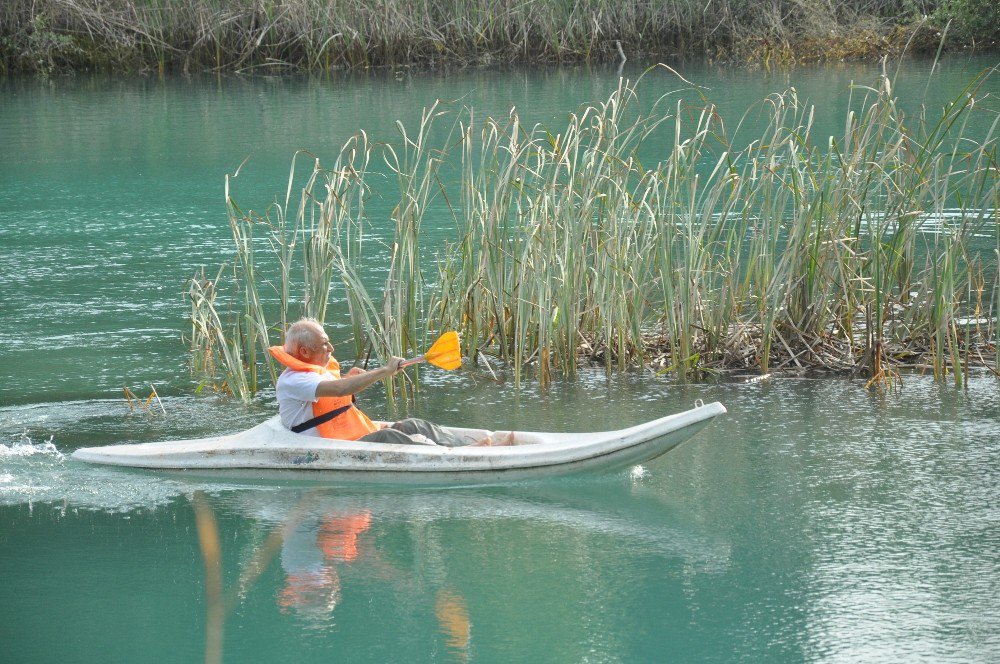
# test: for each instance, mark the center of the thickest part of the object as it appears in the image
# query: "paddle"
(445, 353)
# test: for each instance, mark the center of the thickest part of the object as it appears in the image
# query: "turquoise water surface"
(816, 521)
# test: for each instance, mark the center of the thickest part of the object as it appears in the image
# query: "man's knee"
(415, 425)
(410, 425)
(392, 436)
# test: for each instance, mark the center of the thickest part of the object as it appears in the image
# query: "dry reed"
(259, 35)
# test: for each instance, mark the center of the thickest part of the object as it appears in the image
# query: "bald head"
(305, 333)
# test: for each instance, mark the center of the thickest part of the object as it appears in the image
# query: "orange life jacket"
(350, 424)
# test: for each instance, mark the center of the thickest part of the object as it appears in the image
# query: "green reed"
(853, 252)
(315, 235)
(806, 248)
(215, 340)
(303, 236)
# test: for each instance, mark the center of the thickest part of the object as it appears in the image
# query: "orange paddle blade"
(445, 352)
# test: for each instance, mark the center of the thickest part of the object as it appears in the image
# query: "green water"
(814, 522)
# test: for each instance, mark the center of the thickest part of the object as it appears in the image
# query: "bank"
(279, 36)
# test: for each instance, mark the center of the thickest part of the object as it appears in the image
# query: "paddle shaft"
(413, 360)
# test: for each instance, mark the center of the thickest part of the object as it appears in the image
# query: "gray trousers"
(399, 433)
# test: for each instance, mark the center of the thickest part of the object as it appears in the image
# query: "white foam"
(26, 448)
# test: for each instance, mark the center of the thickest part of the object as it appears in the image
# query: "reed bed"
(284, 35)
(866, 252)
(852, 253)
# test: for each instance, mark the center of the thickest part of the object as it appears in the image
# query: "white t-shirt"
(296, 394)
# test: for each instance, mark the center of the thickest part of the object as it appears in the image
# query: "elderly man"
(315, 400)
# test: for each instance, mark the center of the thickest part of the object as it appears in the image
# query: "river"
(816, 521)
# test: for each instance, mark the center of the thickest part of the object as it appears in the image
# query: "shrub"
(976, 20)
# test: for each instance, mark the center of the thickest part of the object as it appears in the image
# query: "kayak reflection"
(631, 514)
(417, 557)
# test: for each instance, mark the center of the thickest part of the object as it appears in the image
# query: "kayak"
(270, 451)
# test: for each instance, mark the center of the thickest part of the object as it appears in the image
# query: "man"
(315, 400)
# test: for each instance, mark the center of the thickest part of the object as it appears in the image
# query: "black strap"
(321, 419)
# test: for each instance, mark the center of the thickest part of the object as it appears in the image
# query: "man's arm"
(348, 385)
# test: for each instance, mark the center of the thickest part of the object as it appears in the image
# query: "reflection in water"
(309, 558)
(453, 615)
(218, 604)
(313, 554)
(337, 549)
(211, 553)
(314, 545)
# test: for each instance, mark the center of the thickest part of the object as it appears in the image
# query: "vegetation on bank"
(294, 35)
(864, 252)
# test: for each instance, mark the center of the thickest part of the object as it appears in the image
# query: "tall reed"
(791, 246)
(324, 234)
(858, 252)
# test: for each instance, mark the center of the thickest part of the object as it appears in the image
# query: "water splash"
(37, 472)
(26, 448)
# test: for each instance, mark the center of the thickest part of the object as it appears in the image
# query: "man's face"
(319, 351)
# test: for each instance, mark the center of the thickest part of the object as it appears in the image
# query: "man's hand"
(356, 371)
(392, 365)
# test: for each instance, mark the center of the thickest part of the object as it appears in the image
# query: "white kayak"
(270, 451)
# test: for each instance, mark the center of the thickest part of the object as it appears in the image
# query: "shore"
(267, 36)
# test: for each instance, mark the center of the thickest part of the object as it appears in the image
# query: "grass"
(861, 252)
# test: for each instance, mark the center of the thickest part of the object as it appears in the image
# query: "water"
(815, 522)
(111, 192)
